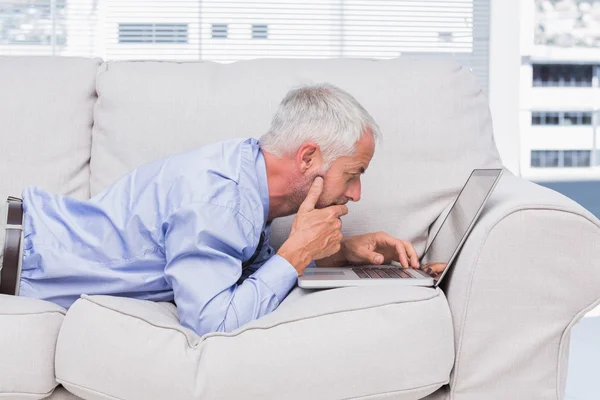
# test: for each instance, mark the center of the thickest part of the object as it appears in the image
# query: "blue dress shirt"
(174, 229)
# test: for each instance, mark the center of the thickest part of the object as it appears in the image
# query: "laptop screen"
(462, 215)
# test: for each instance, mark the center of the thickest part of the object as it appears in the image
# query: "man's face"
(342, 179)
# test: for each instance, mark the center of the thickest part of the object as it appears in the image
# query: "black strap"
(12, 244)
(249, 262)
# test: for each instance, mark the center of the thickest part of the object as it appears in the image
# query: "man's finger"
(437, 267)
(313, 195)
(338, 211)
(402, 256)
(375, 258)
(412, 254)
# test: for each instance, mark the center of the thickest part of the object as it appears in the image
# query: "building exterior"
(560, 91)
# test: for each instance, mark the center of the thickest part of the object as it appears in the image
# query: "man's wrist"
(334, 261)
(298, 258)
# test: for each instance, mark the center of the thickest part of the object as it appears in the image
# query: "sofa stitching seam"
(395, 391)
(64, 381)
(33, 314)
(138, 318)
(30, 393)
(230, 334)
(218, 334)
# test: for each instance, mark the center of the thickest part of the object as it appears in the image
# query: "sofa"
(497, 328)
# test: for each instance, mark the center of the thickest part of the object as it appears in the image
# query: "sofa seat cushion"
(28, 333)
(385, 341)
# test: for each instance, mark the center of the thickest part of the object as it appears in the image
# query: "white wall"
(559, 138)
(505, 62)
(562, 98)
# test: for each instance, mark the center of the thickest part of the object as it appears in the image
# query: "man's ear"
(308, 157)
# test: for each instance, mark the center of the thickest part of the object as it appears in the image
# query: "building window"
(260, 31)
(577, 158)
(552, 118)
(219, 31)
(562, 75)
(545, 158)
(545, 118)
(536, 158)
(153, 33)
(570, 119)
(560, 158)
(561, 118)
(550, 158)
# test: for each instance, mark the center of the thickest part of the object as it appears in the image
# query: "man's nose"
(353, 192)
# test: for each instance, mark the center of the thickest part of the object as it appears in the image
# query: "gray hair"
(323, 114)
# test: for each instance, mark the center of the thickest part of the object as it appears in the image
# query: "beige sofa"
(499, 329)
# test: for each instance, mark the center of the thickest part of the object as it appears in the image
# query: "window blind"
(228, 30)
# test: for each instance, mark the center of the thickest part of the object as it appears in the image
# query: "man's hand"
(315, 234)
(379, 248)
(434, 269)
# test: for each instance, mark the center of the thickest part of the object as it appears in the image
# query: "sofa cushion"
(28, 332)
(433, 115)
(384, 340)
(46, 123)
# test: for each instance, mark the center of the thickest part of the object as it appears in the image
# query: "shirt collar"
(263, 184)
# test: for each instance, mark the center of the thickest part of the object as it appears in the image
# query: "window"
(571, 119)
(550, 158)
(577, 158)
(545, 158)
(197, 30)
(153, 33)
(552, 118)
(569, 158)
(561, 118)
(536, 158)
(30, 23)
(560, 158)
(562, 75)
(219, 31)
(260, 31)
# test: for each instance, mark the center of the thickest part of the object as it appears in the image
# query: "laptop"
(442, 251)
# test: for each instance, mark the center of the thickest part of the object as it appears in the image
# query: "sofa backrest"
(434, 118)
(46, 121)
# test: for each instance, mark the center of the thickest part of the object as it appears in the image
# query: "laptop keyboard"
(380, 273)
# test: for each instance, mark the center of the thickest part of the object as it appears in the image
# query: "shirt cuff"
(279, 275)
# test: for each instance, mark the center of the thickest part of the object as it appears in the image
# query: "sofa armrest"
(342, 343)
(527, 273)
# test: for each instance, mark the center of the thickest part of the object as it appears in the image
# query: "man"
(194, 228)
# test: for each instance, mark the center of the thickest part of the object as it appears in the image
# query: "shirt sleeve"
(204, 248)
